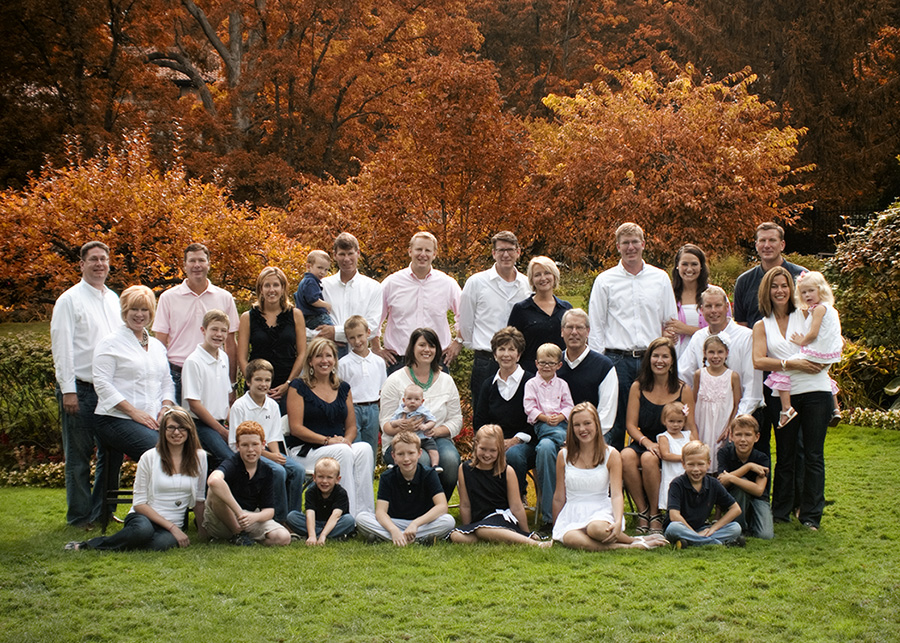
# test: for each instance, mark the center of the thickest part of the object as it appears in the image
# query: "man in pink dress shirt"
(417, 297)
(179, 314)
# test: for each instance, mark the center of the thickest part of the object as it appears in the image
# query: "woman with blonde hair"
(323, 424)
(539, 318)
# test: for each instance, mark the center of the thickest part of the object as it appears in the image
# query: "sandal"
(645, 516)
(656, 530)
(786, 416)
(74, 545)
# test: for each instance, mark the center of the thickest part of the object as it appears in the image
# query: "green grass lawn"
(836, 585)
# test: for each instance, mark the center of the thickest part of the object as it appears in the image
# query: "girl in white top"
(588, 505)
(674, 416)
(820, 341)
(170, 479)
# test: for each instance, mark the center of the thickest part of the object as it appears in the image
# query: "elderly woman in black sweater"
(502, 402)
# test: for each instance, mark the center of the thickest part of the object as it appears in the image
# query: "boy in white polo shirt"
(365, 372)
(256, 406)
(206, 385)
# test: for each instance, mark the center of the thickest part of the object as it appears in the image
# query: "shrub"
(863, 373)
(53, 474)
(866, 272)
(29, 414)
(876, 419)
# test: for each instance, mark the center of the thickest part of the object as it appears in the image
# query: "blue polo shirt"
(729, 461)
(250, 493)
(695, 506)
(409, 499)
(746, 292)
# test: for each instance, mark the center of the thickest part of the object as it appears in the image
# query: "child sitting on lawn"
(692, 497)
(411, 504)
(239, 502)
(744, 471)
(327, 507)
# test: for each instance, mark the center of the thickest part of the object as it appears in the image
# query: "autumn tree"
(829, 66)
(145, 215)
(454, 165)
(700, 162)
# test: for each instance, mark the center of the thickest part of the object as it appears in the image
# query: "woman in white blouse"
(170, 479)
(131, 377)
(423, 367)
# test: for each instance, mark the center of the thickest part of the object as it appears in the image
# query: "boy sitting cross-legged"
(744, 471)
(692, 496)
(256, 406)
(240, 498)
(411, 504)
(327, 507)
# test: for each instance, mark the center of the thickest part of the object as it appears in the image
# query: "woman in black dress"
(275, 331)
(539, 317)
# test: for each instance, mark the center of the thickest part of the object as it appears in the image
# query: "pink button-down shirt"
(547, 397)
(411, 303)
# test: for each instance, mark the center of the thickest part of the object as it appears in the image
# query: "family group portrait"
(456, 321)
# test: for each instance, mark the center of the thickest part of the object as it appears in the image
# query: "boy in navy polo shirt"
(240, 500)
(692, 496)
(411, 504)
(327, 507)
(744, 472)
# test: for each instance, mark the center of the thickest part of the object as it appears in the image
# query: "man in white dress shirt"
(629, 307)
(487, 299)
(349, 293)
(419, 296)
(82, 316)
(739, 339)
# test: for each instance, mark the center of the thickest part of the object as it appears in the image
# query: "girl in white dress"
(588, 506)
(674, 416)
(718, 391)
(821, 343)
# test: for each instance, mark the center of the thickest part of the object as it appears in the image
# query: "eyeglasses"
(571, 327)
(505, 251)
(547, 364)
(176, 429)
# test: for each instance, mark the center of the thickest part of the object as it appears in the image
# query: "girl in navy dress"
(490, 504)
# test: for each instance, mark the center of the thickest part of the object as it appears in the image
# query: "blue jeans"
(296, 522)
(483, 368)
(84, 504)
(550, 440)
(680, 531)
(521, 458)
(318, 319)
(175, 372)
(138, 532)
(287, 487)
(118, 436)
(811, 425)
(756, 514)
(449, 460)
(627, 369)
(214, 444)
(367, 427)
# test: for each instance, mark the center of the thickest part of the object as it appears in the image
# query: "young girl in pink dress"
(718, 391)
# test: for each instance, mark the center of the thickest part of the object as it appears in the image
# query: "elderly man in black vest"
(591, 378)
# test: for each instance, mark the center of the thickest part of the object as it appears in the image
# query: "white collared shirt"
(573, 363)
(485, 304)
(123, 370)
(205, 378)
(740, 360)
(267, 415)
(82, 316)
(360, 295)
(507, 389)
(628, 311)
(365, 375)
